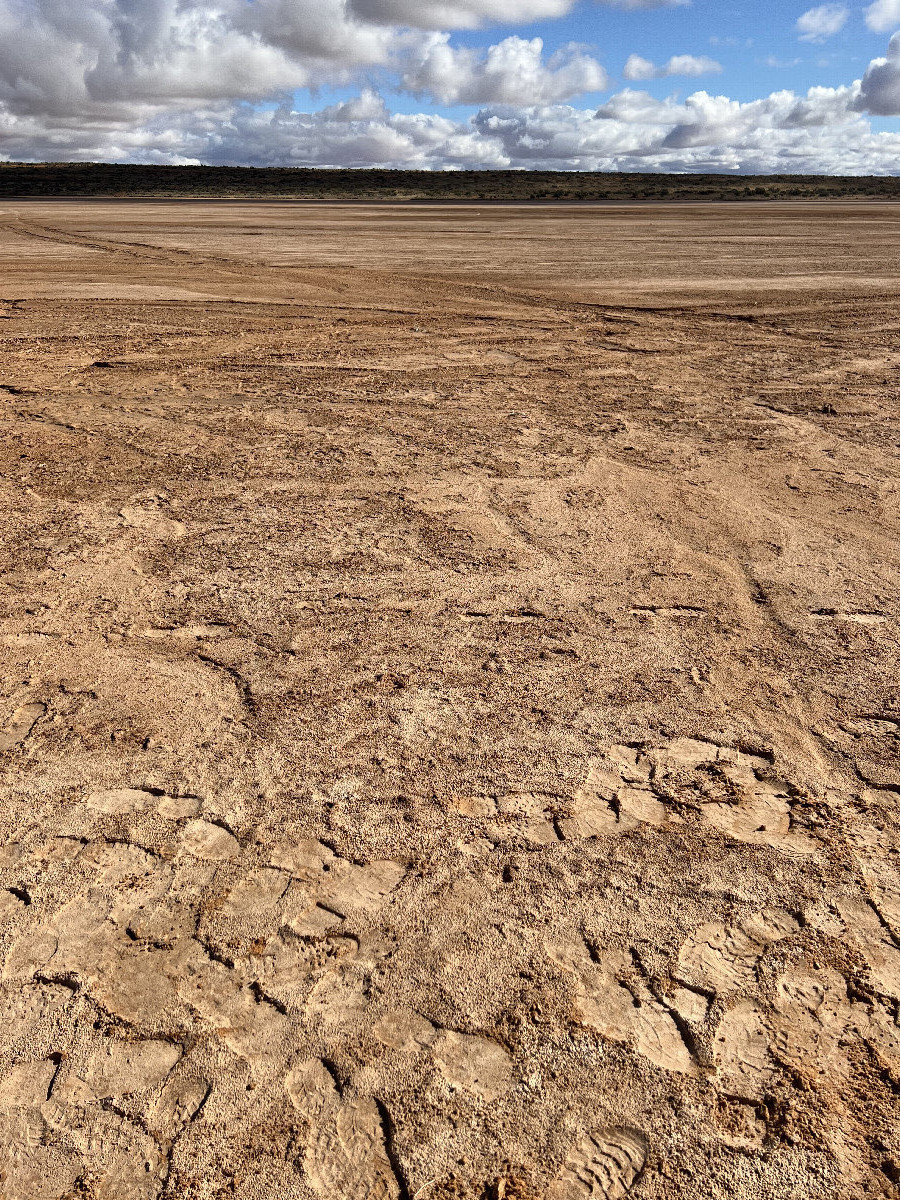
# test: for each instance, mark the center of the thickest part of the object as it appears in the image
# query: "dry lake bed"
(450, 702)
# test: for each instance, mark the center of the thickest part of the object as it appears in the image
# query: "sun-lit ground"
(450, 711)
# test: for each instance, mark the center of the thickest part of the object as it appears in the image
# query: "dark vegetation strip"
(52, 180)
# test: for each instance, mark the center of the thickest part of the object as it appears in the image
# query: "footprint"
(256, 894)
(761, 818)
(116, 862)
(625, 1011)
(11, 904)
(30, 1169)
(605, 1164)
(881, 1029)
(27, 1084)
(741, 1046)
(129, 801)
(249, 1025)
(614, 798)
(20, 724)
(359, 889)
(860, 617)
(124, 1162)
(723, 958)
(288, 965)
(531, 813)
(403, 1029)
(620, 793)
(346, 1156)
(304, 858)
(120, 801)
(881, 952)
(811, 1013)
(119, 1070)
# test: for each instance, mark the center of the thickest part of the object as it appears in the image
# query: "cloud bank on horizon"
(444, 84)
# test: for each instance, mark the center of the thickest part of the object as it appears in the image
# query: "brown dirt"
(450, 711)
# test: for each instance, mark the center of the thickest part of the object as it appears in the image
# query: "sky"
(739, 86)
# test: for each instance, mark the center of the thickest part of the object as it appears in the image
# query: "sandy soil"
(450, 703)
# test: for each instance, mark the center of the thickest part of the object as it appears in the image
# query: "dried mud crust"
(442, 754)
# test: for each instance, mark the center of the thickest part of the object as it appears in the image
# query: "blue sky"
(758, 46)
(445, 84)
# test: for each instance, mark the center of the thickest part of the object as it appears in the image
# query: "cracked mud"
(449, 724)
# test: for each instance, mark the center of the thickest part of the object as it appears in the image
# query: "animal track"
(606, 1164)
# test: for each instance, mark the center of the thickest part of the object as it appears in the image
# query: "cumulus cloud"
(883, 15)
(457, 14)
(819, 131)
(183, 80)
(637, 68)
(512, 72)
(819, 24)
(879, 91)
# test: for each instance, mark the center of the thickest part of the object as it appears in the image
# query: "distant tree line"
(312, 183)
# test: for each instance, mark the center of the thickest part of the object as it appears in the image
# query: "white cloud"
(457, 14)
(819, 24)
(512, 72)
(820, 131)
(181, 81)
(637, 68)
(641, 5)
(879, 91)
(883, 15)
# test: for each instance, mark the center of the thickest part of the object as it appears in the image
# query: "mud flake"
(20, 725)
(120, 801)
(178, 1104)
(475, 1063)
(203, 839)
(315, 922)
